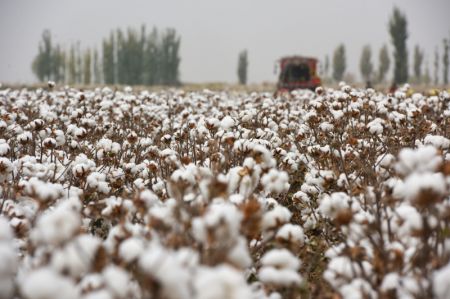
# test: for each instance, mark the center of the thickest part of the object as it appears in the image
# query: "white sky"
(213, 32)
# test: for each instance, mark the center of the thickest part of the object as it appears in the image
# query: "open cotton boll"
(275, 217)
(98, 182)
(441, 282)
(43, 191)
(239, 254)
(437, 141)
(221, 282)
(76, 258)
(331, 206)
(100, 294)
(275, 181)
(6, 234)
(224, 218)
(227, 123)
(44, 283)
(117, 281)
(279, 267)
(9, 260)
(357, 289)
(130, 249)
(422, 188)
(280, 258)
(292, 233)
(58, 225)
(420, 160)
(170, 269)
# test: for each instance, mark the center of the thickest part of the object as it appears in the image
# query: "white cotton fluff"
(357, 289)
(376, 126)
(44, 283)
(221, 282)
(58, 225)
(43, 191)
(239, 254)
(437, 141)
(225, 218)
(172, 269)
(441, 282)
(97, 181)
(279, 267)
(420, 182)
(291, 232)
(131, 249)
(424, 159)
(227, 123)
(390, 282)
(275, 181)
(277, 216)
(117, 281)
(8, 258)
(4, 147)
(76, 257)
(100, 294)
(331, 206)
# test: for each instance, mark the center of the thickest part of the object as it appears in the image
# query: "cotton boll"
(221, 282)
(357, 289)
(76, 258)
(277, 216)
(227, 123)
(292, 233)
(130, 249)
(422, 188)
(170, 269)
(279, 267)
(275, 181)
(101, 294)
(336, 206)
(58, 225)
(117, 281)
(441, 282)
(97, 181)
(419, 160)
(239, 254)
(46, 284)
(9, 261)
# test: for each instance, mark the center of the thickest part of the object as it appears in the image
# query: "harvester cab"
(297, 72)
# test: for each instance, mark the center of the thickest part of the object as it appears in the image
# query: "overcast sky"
(213, 32)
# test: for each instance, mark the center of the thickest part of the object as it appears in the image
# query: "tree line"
(398, 32)
(131, 57)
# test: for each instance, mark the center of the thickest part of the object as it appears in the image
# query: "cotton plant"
(174, 194)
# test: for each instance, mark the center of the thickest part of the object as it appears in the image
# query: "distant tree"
(96, 68)
(169, 59)
(78, 64)
(72, 70)
(42, 63)
(57, 64)
(399, 35)
(436, 67)
(109, 60)
(151, 59)
(365, 63)
(445, 61)
(242, 67)
(426, 76)
(87, 67)
(327, 65)
(384, 63)
(339, 63)
(418, 60)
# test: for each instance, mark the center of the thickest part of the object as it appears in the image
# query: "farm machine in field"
(297, 72)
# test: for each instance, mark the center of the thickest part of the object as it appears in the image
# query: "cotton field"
(134, 194)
